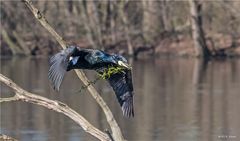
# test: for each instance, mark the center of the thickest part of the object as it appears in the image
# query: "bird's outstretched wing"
(59, 64)
(122, 85)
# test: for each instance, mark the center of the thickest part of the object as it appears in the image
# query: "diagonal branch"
(116, 132)
(23, 95)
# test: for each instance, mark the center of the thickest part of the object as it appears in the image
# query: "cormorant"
(77, 58)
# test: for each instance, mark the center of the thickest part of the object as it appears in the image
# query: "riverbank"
(170, 46)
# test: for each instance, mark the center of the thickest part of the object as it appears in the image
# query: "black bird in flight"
(76, 58)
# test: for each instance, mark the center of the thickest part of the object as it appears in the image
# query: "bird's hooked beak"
(121, 63)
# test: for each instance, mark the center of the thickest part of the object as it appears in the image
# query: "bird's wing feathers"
(60, 61)
(122, 85)
(58, 66)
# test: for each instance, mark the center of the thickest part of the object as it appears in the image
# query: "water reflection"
(176, 100)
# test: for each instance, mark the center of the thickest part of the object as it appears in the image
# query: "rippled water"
(175, 100)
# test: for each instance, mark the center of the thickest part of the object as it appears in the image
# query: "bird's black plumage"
(77, 58)
(122, 85)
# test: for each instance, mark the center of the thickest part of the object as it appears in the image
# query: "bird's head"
(121, 61)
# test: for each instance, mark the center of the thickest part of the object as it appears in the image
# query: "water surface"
(175, 100)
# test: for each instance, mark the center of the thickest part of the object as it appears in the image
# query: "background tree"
(150, 20)
(199, 40)
(122, 26)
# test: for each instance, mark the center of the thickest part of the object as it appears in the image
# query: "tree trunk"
(150, 22)
(94, 21)
(112, 22)
(165, 15)
(13, 47)
(85, 20)
(21, 43)
(197, 30)
(126, 27)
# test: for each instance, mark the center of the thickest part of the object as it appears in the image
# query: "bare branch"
(9, 99)
(54, 105)
(117, 134)
(41, 18)
(6, 138)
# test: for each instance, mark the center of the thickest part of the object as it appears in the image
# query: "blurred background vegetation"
(128, 27)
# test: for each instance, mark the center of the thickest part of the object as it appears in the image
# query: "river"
(176, 99)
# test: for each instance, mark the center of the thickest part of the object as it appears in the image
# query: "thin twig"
(54, 105)
(116, 132)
